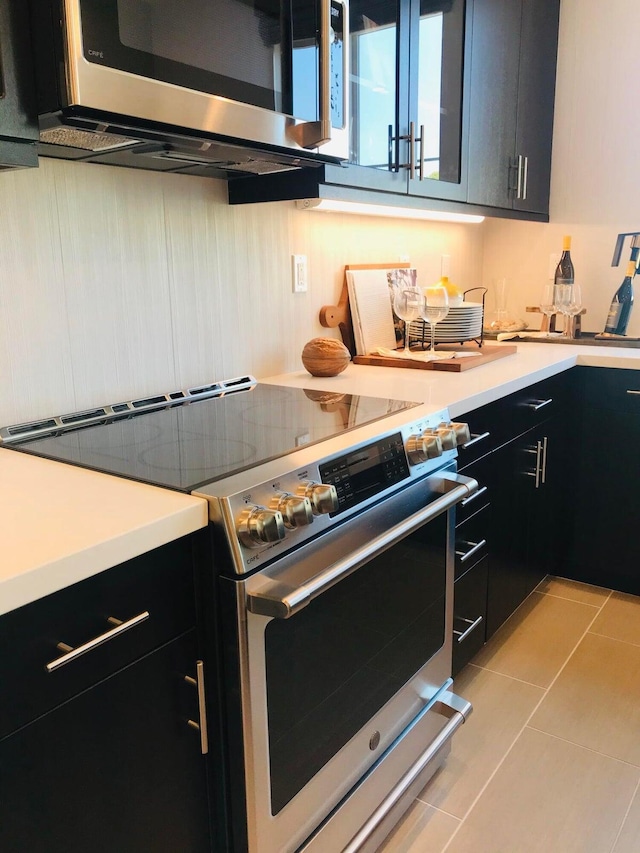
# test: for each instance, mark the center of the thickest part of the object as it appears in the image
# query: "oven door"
(270, 71)
(343, 646)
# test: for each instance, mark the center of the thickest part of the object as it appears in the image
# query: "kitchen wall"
(117, 283)
(595, 182)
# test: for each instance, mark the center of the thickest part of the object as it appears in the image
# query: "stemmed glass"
(548, 303)
(572, 307)
(407, 302)
(435, 307)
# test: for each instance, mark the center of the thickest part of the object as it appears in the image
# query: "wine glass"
(563, 301)
(407, 302)
(548, 303)
(435, 307)
(573, 306)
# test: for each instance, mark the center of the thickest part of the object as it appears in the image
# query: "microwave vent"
(260, 167)
(87, 140)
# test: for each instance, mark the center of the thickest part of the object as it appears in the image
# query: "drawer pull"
(475, 495)
(539, 404)
(201, 727)
(475, 439)
(475, 547)
(72, 654)
(633, 392)
(462, 635)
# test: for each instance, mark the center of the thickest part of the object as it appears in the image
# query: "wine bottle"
(564, 273)
(621, 304)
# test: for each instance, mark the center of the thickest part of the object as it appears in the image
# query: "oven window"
(332, 666)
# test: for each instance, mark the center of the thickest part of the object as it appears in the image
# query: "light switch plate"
(299, 273)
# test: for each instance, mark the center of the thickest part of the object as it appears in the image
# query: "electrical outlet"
(299, 273)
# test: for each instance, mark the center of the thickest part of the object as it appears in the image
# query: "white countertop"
(464, 391)
(60, 524)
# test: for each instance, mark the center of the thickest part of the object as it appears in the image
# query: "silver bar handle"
(538, 452)
(633, 392)
(525, 178)
(475, 547)
(421, 154)
(72, 654)
(412, 153)
(535, 405)
(473, 624)
(457, 714)
(311, 134)
(544, 459)
(519, 185)
(475, 495)
(452, 487)
(475, 439)
(202, 726)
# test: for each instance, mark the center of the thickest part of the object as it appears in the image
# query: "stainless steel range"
(332, 520)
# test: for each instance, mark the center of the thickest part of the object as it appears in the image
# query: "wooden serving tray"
(453, 365)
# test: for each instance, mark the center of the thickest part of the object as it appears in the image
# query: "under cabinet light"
(365, 209)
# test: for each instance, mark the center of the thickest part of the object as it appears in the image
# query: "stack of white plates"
(462, 323)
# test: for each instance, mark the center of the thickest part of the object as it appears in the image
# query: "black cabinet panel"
(160, 582)
(469, 615)
(18, 117)
(114, 769)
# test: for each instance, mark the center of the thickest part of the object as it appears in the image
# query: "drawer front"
(480, 470)
(610, 388)
(472, 540)
(107, 615)
(509, 417)
(469, 614)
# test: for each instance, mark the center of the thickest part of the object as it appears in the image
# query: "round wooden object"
(325, 357)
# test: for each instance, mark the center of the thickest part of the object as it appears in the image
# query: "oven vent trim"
(45, 427)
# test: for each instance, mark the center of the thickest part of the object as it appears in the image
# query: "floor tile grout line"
(582, 746)
(515, 740)
(615, 639)
(566, 598)
(624, 819)
(511, 677)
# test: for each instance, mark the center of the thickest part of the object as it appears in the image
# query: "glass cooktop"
(188, 445)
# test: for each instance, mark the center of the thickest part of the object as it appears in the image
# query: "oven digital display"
(367, 471)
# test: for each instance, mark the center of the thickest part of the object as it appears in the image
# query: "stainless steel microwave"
(238, 85)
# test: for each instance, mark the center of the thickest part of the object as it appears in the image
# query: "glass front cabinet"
(407, 63)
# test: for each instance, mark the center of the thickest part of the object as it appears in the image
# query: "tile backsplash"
(116, 283)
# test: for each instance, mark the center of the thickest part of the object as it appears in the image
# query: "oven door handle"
(272, 599)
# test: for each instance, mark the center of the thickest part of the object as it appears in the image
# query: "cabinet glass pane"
(439, 88)
(374, 33)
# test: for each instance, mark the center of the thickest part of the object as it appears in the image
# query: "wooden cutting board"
(485, 354)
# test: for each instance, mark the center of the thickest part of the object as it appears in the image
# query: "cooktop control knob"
(296, 510)
(260, 526)
(447, 436)
(462, 431)
(423, 447)
(323, 497)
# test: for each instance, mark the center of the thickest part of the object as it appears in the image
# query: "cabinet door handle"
(544, 460)
(202, 726)
(525, 177)
(537, 450)
(72, 654)
(633, 392)
(421, 154)
(475, 547)
(534, 405)
(475, 439)
(462, 635)
(519, 184)
(475, 495)
(412, 153)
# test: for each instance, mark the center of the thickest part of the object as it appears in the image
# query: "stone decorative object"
(325, 357)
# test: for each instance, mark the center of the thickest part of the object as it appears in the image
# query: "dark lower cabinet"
(604, 502)
(18, 112)
(469, 614)
(117, 768)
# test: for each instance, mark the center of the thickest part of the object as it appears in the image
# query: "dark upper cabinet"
(512, 88)
(18, 116)
(407, 62)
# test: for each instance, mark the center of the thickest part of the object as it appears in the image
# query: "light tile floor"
(549, 761)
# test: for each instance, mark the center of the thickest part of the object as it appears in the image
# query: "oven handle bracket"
(269, 600)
